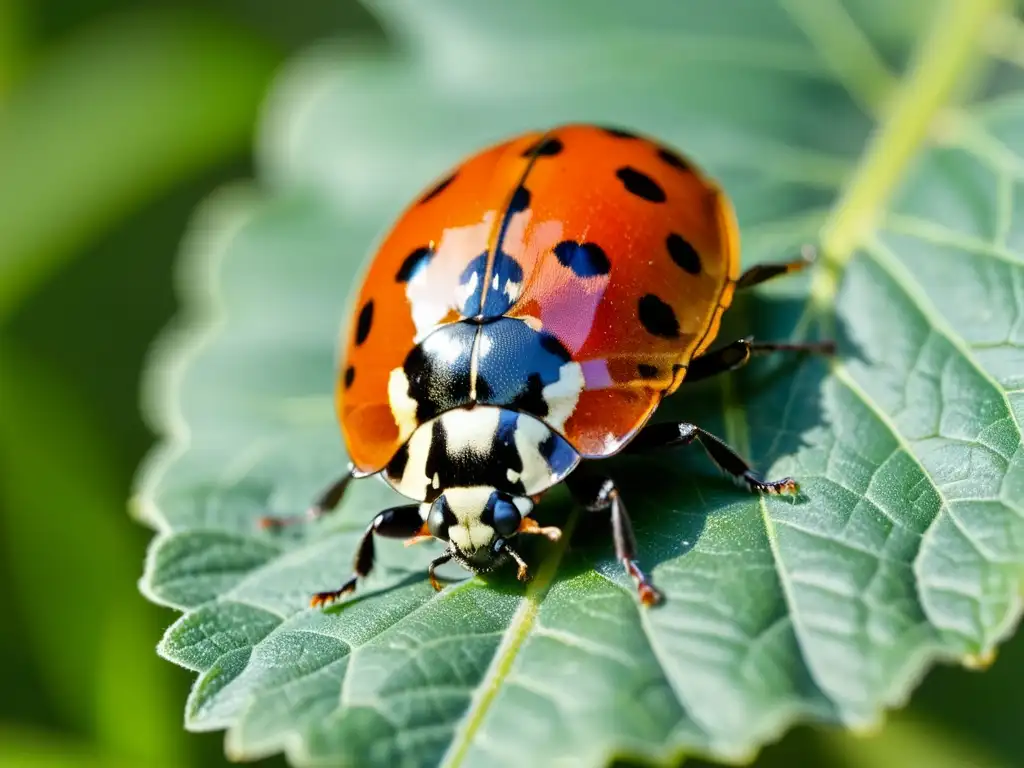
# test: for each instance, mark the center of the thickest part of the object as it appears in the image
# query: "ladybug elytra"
(525, 316)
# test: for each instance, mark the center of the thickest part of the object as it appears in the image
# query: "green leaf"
(843, 123)
(121, 111)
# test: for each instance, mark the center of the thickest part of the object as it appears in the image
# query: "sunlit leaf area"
(188, 196)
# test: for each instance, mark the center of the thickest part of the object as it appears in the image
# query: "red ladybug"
(526, 315)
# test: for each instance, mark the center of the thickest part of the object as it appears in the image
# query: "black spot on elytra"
(657, 317)
(619, 133)
(585, 259)
(674, 159)
(545, 148)
(520, 200)
(440, 187)
(647, 371)
(640, 184)
(683, 253)
(364, 323)
(350, 376)
(413, 263)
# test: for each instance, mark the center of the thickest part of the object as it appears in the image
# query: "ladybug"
(524, 317)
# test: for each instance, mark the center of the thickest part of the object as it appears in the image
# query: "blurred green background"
(116, 119)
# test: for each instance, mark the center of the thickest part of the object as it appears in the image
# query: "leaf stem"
(519, 630)
(936, 70)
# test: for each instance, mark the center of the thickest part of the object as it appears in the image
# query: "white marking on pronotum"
(561, 396)
(414, 481)
(443, 347)
(471, 429)
(529, 434)
(403, 407)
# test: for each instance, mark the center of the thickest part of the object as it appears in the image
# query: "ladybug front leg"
(394, 523)
(655, 436)
(736, 355)
(597, 494)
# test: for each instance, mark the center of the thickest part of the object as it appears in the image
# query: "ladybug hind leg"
(665, 435)
(738, 353)
(597, 494)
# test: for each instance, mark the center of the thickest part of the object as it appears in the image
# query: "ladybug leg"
(434, 564)
(667, 434)
(759, 273)
(738, 353)
(529, 525)
(325, 502)
(394, 523)
(598, 494)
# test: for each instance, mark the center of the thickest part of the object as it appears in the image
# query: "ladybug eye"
(506, 517)
(439, 518)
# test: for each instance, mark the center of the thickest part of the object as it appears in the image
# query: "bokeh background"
(116, 119)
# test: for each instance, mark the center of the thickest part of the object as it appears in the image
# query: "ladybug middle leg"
(665, 435)
(395, 523)
(738, 353)
(760, 273)
(598, 493)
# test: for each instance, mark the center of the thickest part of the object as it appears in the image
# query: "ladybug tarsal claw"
(523, 572)
(785, 487)
(649, 595)
(271, 523)
(323, 599)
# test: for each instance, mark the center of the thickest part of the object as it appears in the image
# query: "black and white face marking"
(480, 446)
(477, 522)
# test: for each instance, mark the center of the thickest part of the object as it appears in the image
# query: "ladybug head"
(478, 522)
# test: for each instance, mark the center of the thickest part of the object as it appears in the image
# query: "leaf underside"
(906, 544)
